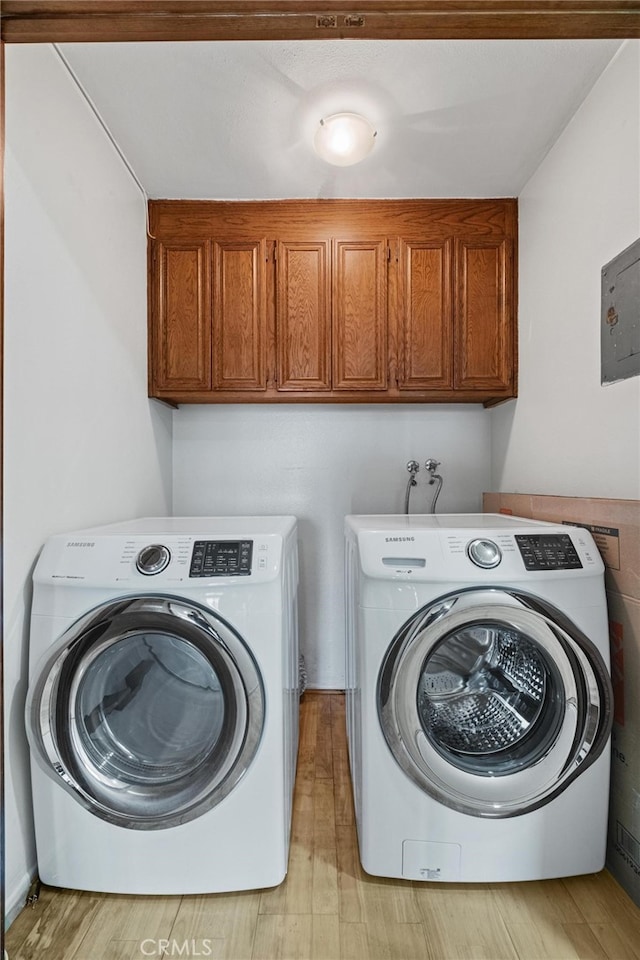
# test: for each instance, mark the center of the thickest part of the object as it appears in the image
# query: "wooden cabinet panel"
(359, 315)
(425, 315)
(239, 315)
(484, 343)
(329, 317)
(180, 346)
(303, 316)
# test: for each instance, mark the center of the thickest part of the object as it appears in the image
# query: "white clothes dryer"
(162, 711)
(479, 698)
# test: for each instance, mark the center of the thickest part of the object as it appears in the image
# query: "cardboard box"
(623, 846)
(615, 526)
(623, 841)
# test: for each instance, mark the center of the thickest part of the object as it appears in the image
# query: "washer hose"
(431, 466)
(412, 466)
(438, 478)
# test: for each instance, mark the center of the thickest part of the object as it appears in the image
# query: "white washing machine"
(479, 699)
(162, 710)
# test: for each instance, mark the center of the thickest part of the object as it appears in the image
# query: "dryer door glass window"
(493, 701)
(149, 710)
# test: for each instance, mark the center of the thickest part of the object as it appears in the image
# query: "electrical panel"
(620, 323)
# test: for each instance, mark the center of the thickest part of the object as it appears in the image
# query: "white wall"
(321, 463)
(83, 445)
(566, 434)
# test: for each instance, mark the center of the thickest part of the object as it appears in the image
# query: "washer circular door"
(148, 710)
(492, 701)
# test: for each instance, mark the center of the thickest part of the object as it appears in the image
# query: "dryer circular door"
(148, 710)
(492, 701)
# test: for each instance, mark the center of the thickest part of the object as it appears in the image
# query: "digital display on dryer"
(548, 551)
(221, 558)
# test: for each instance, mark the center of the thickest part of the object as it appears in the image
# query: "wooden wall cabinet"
(359, 315)
(331, 317)
(332, 301)
(239, 315)
(180, 314)
(484, 331)
(303, 316)
(425, 315)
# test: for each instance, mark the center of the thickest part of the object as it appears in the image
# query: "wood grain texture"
(303, 315)
(143, 20)
(484, 329)
(426, 314)
(359, 315)
(180, 317)
(191, 220)
(328, 908)
(239, 315)
(344, 301)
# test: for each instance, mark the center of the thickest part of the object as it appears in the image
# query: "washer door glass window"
(148, 710)
(493, 702)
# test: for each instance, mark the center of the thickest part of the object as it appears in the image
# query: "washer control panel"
(544, 551)
(484, 553)
(469, 549)
(221, 558)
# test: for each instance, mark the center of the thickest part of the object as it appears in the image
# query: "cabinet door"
(303, 315)
(360, 315)
(425, 315)
(239, 307)
(180, 317)
(484, 331)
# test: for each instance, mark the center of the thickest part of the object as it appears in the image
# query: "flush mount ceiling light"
(344, 138)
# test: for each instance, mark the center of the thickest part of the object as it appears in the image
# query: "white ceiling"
(235, 120)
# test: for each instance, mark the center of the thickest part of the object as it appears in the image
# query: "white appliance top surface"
(443, 521)
(198, 526)
(190, 553)
(471, 548)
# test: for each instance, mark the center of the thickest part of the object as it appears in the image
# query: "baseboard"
(16, 900)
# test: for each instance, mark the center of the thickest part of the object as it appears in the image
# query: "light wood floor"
(328, 909)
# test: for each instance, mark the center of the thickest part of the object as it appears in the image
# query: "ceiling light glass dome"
(344, 138)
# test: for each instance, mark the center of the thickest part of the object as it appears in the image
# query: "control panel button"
(484, 553)
(153, 559)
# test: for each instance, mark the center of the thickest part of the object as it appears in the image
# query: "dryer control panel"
(221, 558)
